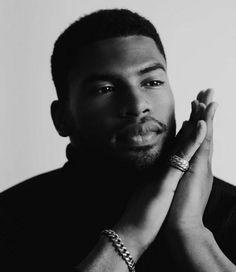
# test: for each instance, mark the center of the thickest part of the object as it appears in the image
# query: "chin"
(141, 158)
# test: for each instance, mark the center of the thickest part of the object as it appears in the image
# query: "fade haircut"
(99, 25)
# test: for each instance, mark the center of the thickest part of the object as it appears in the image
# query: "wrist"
(187, 233)
(131, 240)
(180, 225)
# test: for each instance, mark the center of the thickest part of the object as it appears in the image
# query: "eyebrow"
(114, 77)
(151, 68)
(100, 77)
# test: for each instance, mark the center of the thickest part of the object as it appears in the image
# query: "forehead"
(117, 55)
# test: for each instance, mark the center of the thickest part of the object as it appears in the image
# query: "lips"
(139, 135)
(141, 140)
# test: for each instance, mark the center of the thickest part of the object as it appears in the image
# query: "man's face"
(120, 100)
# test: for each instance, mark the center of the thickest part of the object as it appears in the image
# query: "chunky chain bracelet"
(120, 248)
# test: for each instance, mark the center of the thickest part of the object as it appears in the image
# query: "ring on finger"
(179, 163)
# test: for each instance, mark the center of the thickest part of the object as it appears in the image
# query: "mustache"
(154, 121)
(141, 127)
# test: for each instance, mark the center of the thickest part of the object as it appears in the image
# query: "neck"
(106, 164)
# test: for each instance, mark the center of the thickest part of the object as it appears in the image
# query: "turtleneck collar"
(100, 163)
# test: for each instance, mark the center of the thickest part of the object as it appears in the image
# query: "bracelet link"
(120, 248)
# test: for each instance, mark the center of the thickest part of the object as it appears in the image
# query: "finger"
(193, 111)
(182, 134)
(204, 97)
(200, 111)
(210, 111)
(196, 111)
(186, 151)
(207, 97)
(200, 95)
(207, 145)
(209, 116)
(192, 144)
(189, 127)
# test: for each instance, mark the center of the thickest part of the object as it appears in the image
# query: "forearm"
(197, 250)
(104, 256)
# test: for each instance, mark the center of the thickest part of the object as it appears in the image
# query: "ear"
(59, 113)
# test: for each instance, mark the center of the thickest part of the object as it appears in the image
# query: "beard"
(137, 158)
(147, 157)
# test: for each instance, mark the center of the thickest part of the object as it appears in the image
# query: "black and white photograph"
(118, 132)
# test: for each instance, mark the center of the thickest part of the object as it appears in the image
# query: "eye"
(153, 83)
(104, 90)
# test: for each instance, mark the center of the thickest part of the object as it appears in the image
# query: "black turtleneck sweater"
(52, 221)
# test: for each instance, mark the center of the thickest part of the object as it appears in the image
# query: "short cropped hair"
(99, 25)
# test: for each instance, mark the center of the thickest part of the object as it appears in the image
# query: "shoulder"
(222, 198)
(221, 208)
(224, 186)
(223, 193)
(32, 187)
(222, 211)
(221, 205)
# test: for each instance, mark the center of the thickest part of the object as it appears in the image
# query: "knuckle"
(181, 154)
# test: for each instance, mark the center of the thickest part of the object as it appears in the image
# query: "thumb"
(192, 144)
(186, 151)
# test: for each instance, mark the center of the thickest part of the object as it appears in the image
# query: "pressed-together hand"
(147, 210)
(195, 186)
(182, 197)
(194, 246)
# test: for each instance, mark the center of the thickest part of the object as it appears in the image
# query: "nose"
(135, 104)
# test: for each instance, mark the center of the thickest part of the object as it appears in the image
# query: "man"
(127, 170)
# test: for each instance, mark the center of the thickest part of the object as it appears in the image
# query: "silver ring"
(179, 163)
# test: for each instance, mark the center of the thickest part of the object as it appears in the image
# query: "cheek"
(93, 120)
(163, 106)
